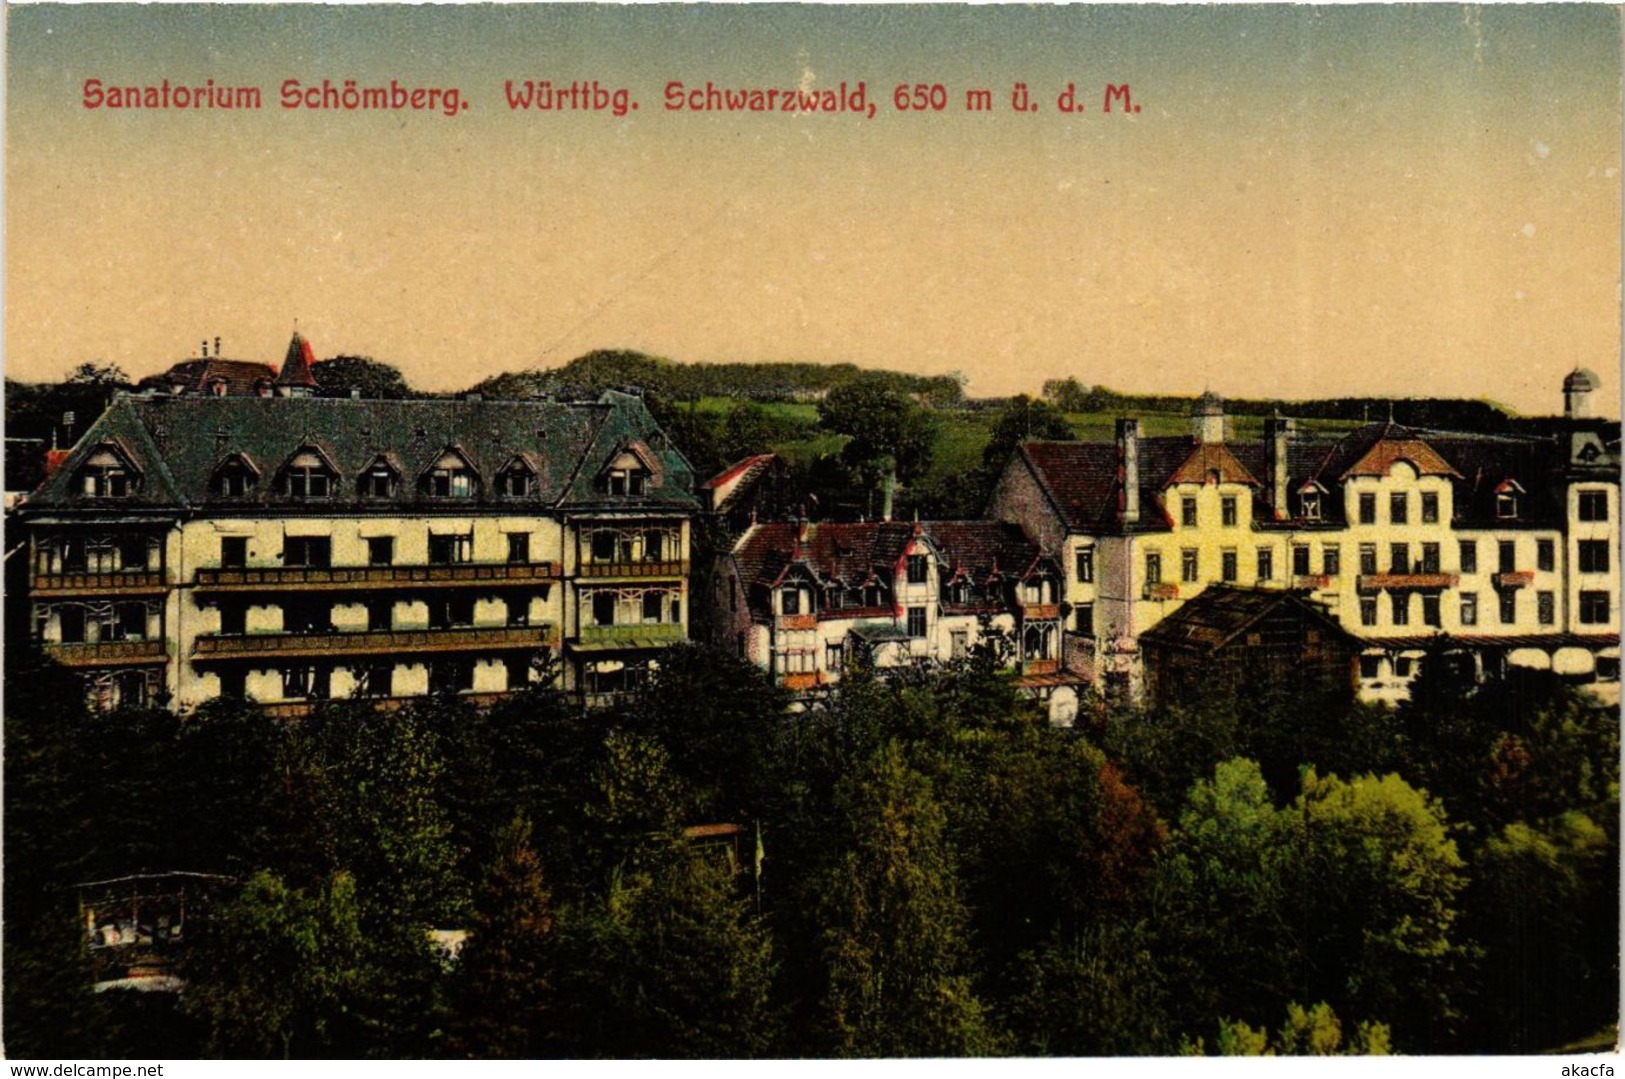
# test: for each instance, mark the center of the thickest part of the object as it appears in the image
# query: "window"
(518, 672)
(1227, 566)
(450, 549)
(1430, 609)
(516, 481)
(1469, 556)
(1310, 502)
(305, 683)
(916, 621)
(1266, 563)
(1368, 509)
(1188, 564)
(1430, 558)
(603, 608)
(307, 476)
(315, 552)
(652, 605)
(304, 615)
(519, 547)
(654, 545)
(1607, 668)
(1430, 508)
(1506, 506)
(71, 625)
(1153, 567)
(1227, 511)
(379, 481)
(1084, 619)
(234, 684)
(1368, 558)
(450, 612)
(1545, 555)
(234, 551)
(916, 569)
(1399, 508)
(1401, 603)
(1545, 608)
(1469, 608)
(1593, 505)
(1399, 558)
(450, 477)
(380, 550)
(448, 675)
(835, 652)
(603, 546)
(1300, 560)
(1593, 608)
(1086, 564)
(233, 619)
(233, 479)
(104, 475)
(1507, 555)
(790, 601)
(1593, 556)
(1509, 606)
(1370, 667)
(380, 615)
(1331, 559)
(1187, 512)
(1403, 666)
(1368, 610)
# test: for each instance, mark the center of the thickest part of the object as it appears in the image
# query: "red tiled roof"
(1208, 459)
(242, 378)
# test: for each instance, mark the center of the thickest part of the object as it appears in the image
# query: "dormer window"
(307, 475)
(1506, 500)
(1310, 503)
(234, 478)
(626, 475)
(105, 474)
(379, 481)
(450, 477)
(516, 481)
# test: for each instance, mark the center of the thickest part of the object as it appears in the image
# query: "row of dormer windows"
(1403, 558)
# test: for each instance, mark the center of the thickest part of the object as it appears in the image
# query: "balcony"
(1518, 579)
(802, 681)
(1310, 582)
(798, 621)
(352, 577)
(117, 583)
(108, 653)
(1040, 612)
(1041, 666)
(629, 635)
(1405, 582)
(1162, 590)
(603, 571)
(378, 642)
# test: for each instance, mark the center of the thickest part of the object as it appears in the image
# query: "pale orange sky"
(1311, 201)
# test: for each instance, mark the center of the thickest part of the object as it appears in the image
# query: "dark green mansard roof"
(177, 446)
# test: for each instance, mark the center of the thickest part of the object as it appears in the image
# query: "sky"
(1309, 201)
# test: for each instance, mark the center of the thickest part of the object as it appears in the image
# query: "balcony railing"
(1040, 612)
(108, 653)
(372, 642)
(600, 570)
(1161, 590)
(798, 621)
(311, 577)
(118, 582)
(1518, 579)
(1041, 666)
(801, 681)
(633, 634)
(1403, 582)
(1311, 582)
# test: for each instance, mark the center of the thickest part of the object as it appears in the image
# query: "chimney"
(67, 427)
(1280, 431)
(890, 489)
(205, 348)
(1128, 469)
(1577, 389)
(217, 347)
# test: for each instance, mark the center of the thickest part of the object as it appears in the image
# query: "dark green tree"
(342, 376)
(505, 968)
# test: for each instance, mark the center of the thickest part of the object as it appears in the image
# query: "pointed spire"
(296, 377)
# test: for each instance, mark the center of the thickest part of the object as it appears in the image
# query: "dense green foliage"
(918, 865)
